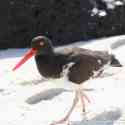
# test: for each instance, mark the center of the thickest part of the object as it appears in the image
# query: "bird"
(77, 64)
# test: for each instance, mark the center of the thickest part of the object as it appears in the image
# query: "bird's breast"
(48, 68)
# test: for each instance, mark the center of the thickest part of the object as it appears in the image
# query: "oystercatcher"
(77, 64)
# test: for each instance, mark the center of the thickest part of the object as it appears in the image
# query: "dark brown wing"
(86, 63)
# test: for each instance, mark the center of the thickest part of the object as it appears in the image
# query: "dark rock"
(62, 20)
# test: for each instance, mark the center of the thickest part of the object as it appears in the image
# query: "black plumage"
(51, 63)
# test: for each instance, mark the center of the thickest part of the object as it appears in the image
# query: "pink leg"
(75, 101)
(83, 96)
(82, 101)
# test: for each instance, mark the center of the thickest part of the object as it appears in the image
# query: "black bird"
(77, 64)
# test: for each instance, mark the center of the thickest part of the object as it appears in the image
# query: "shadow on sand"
(104, 118)
(49, 94)
(45, 95)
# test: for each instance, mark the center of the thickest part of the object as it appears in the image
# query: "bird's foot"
(65, 119)
(84, 116)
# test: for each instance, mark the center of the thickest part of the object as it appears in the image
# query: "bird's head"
(40, 45)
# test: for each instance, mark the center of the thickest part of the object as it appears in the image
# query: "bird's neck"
(43, 57)
(46, 65)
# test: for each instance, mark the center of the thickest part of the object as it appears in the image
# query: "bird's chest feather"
(50, 67)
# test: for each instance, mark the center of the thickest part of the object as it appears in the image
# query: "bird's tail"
(115, 62)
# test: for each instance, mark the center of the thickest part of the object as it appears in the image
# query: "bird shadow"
(105, 118)
(49, 94)
(45, 95)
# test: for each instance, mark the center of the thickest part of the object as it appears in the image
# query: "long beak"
(27, 56)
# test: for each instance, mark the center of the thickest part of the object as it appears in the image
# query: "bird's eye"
(41, 43)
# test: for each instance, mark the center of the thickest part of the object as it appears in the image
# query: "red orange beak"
(27, 56)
